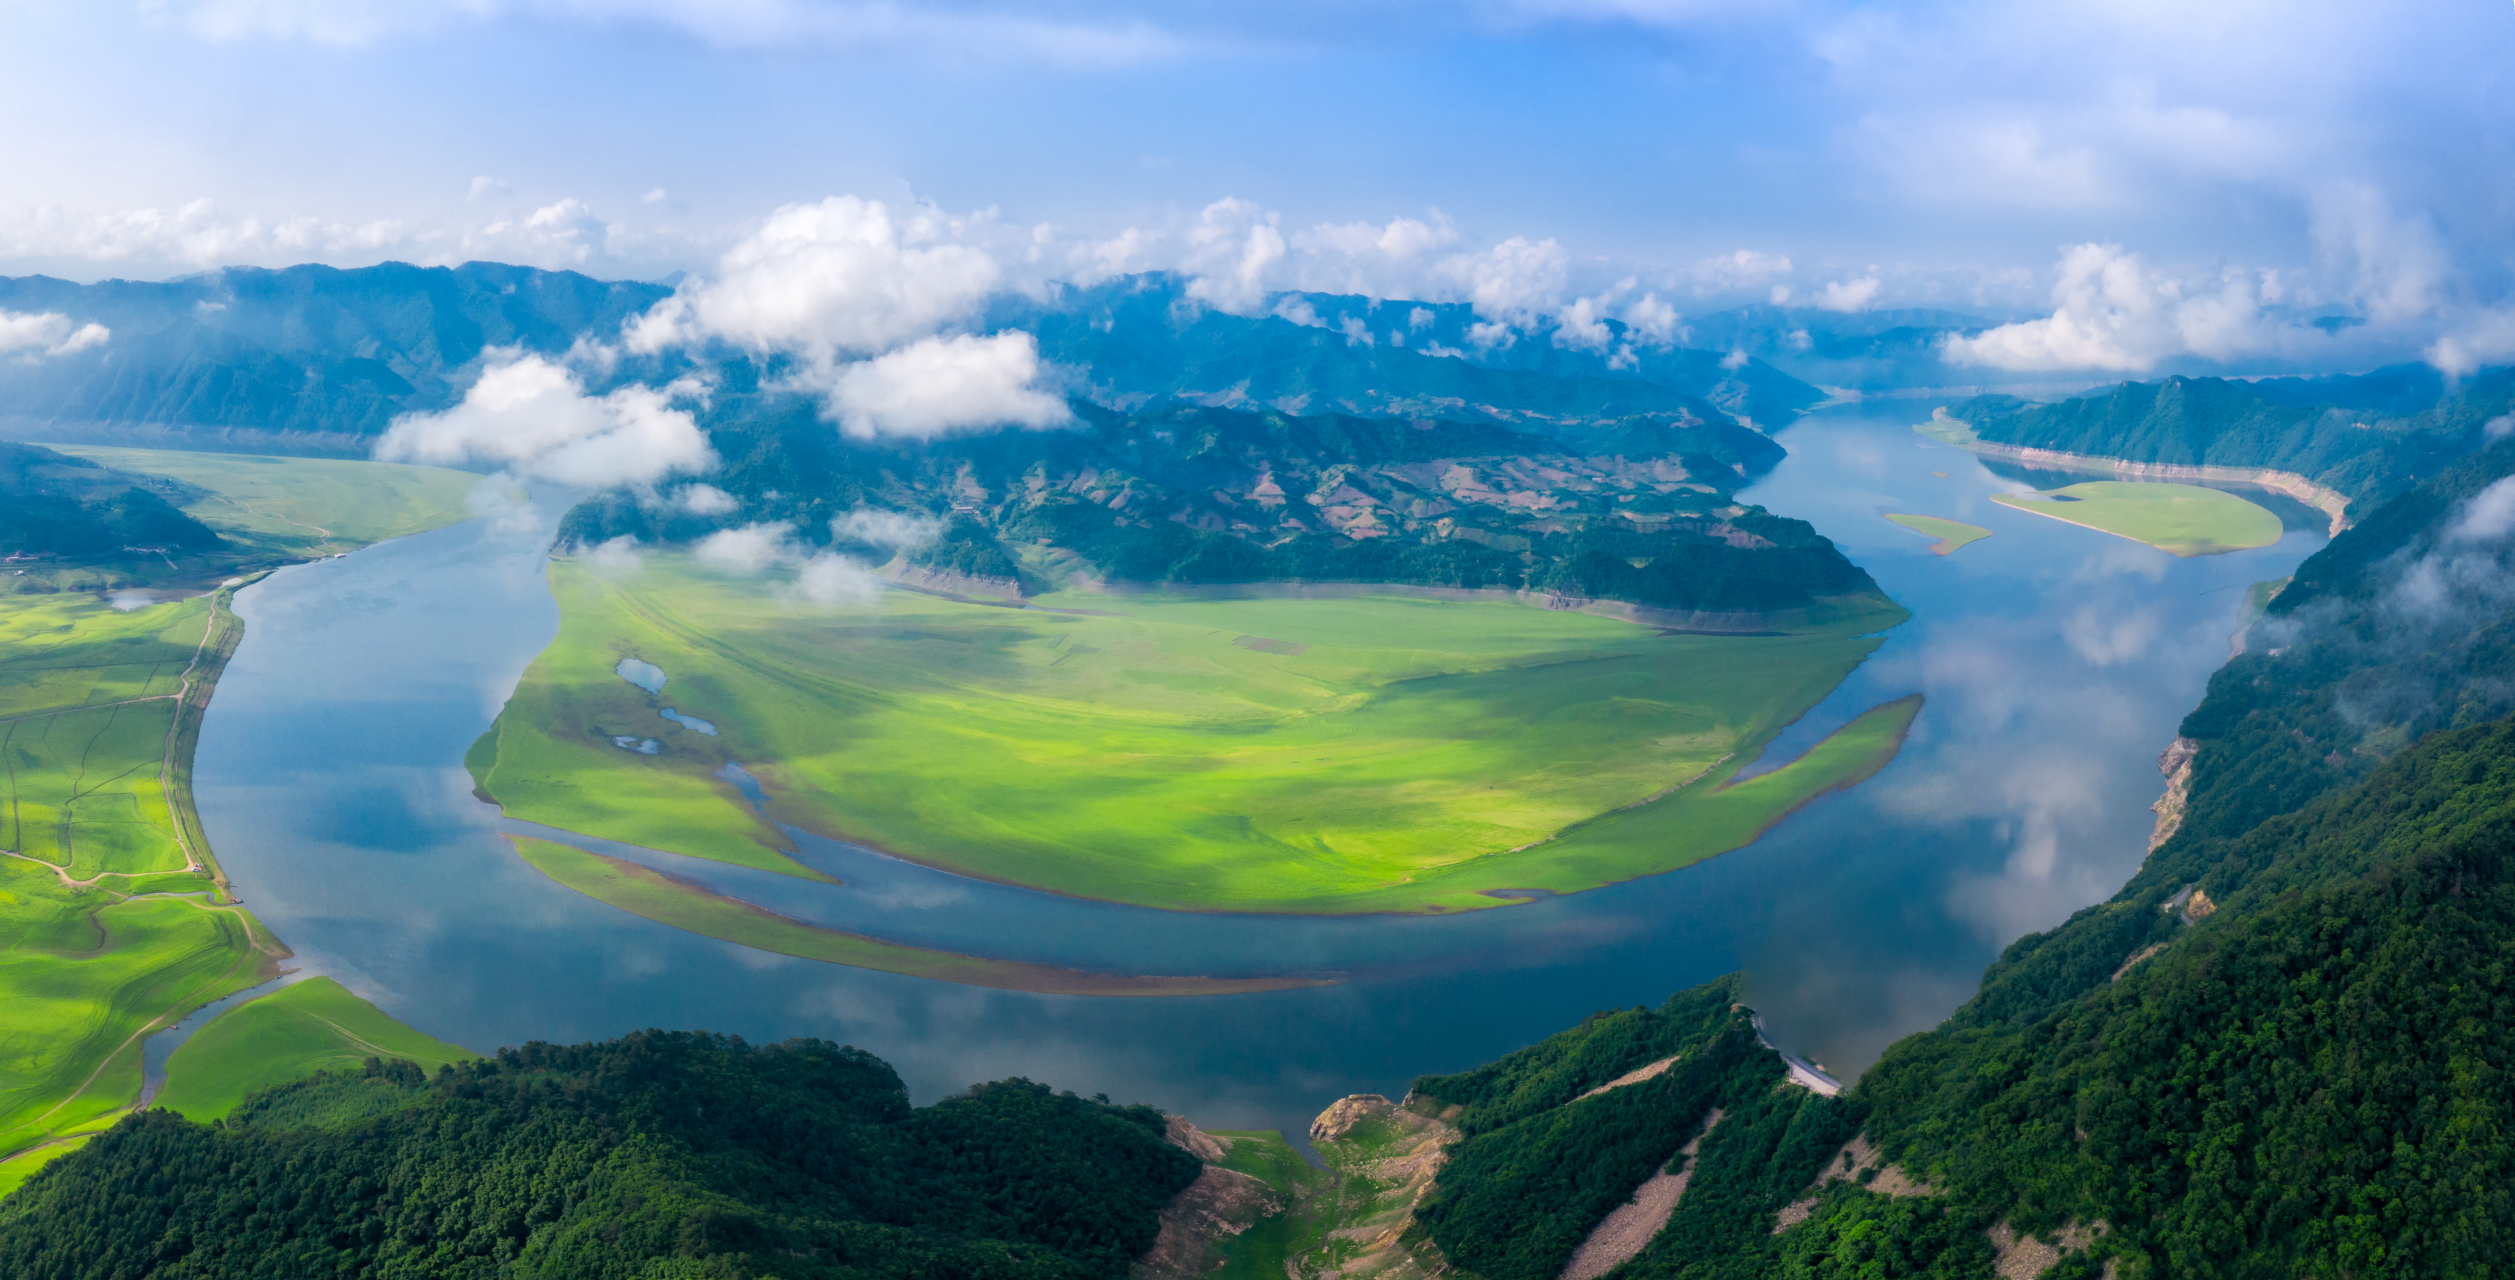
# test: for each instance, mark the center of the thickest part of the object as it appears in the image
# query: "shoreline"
(2331, 502)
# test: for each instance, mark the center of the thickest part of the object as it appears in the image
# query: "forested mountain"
(1636, 510)
(659, 1154)
(54, 505)
(2368, 436)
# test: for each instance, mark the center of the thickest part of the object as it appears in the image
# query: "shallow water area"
(2056, 662)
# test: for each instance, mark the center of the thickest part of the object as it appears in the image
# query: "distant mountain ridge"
(2367, 436)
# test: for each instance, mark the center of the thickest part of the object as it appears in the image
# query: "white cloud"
(1653, 322)
(940, 385)
(47, 333)
(1231, 250)
(1848, 295)
(898, 529)
(1372, 260)
(833, 579)
(845, 276)
(2111, 312)
(533, 417)
(2396, 267)
(2488, 516)
(749, 549)
(2473, 341)
(616, 558)
(1513, 281)
(703, 500)
(1740, 271)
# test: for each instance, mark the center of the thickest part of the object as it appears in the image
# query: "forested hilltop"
(2365, 436)
(659, 1154)
(1636, 510)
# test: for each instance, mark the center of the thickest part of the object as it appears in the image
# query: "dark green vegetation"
(1540, 1164)
(58, 507)
(659, 1154)
(2368, 437)
(1222, 497)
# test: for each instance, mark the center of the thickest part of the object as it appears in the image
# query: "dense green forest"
(655, 1155)
(55, 505)
(2368, 436)
(1219, 496)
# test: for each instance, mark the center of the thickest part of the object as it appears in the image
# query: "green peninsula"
(1377, 753)
(2186, 520)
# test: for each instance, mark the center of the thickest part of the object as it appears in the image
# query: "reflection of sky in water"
(2057, 662)
(645, 675)
(687, 722)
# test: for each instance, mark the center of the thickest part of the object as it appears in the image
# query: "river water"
(2056, 662)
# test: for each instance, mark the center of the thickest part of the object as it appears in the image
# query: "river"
(2056, 662)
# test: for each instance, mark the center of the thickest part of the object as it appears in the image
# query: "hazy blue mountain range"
(319, 358)
(310, 355)
(54, 505)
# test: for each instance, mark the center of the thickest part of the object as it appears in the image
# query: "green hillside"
(659, 1154)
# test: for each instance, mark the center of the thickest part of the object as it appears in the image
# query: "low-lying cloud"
(47, 333)
(941, 385)
(2111, 311)
(821, 577)
(534, 418)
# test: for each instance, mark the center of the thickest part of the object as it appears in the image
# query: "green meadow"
(2186, 520)
(305, 1027)
(114, 922)
(1951, 534)
(643, 891)
(1368, 754)
(304, 506)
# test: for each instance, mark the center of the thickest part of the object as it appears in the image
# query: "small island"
(1951, 534)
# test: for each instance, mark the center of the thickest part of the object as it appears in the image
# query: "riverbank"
(2327, 500)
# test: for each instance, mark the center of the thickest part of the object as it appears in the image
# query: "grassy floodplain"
(2184, 519)
(115, 919)
(1330, 756)
(1952, 535)
(308, 506)
(643, 891)
(294, 1032)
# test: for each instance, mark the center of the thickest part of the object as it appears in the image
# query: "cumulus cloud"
(842, 277)
(821, 577)
(2473, 341)
(702, 500)
(47, 333)
(1388, 260)
(749, 549)
(1848, 295)
(897, 529)
(2488, 516)
(2112, 312)
(1231, 251)
(940, 385)
(199, 235)
(616, 558)
(534, 418)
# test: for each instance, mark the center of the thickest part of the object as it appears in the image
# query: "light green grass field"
(643, 891)
(1951, 534)
(309, 506)
(1371, 754)
(2186, 520)
(305, 1027)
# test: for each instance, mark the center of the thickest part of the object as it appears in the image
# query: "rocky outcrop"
(1385, 1156)
(1856, 1158)
(1220, 1204)
(2176, 764)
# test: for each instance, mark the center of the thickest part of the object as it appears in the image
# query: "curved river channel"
(2056, 662)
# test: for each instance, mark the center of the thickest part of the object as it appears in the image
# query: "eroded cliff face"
(1199, 1223)
(1385, 1157)
(2176, 764)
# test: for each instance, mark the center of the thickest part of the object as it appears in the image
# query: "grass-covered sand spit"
(1369, 754)
(664, 899)
(1951, 534)
(2184, 519)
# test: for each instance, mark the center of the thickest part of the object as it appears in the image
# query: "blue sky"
(2239, 166)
